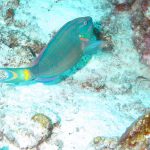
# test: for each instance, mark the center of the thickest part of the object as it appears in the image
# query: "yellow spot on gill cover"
(27, 74)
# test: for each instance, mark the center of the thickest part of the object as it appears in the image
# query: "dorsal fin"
(38, 57)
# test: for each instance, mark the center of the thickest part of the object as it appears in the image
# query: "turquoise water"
(100, 98)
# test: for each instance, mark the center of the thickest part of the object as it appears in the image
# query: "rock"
(97, 140)
(101, 143)
(26, 133)
(43, 120)
(123, 7)
(146, 57)
(144, 5)
(140, 17)
(59, 144)
(8, 8)
(21, 45)
(1, 135)
(13, 3)
(9, 16)
(122, 1)
(137, 136)
(9, 13)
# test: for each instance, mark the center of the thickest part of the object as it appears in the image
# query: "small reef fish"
(60, 54)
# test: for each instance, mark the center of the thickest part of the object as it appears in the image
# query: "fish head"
(85, 25)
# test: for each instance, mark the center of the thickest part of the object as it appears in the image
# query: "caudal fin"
(15, 75)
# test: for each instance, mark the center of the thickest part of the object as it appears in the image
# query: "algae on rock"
(43, 120)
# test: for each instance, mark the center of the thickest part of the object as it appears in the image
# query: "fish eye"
(85, 23)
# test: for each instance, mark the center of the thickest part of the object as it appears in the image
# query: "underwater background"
(104, 104)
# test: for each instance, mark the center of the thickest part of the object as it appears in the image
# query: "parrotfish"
(63, 51)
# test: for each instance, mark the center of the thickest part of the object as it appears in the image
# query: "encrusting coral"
(137, 135)
(43, 120)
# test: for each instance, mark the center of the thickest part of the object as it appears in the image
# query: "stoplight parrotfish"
(60, 54)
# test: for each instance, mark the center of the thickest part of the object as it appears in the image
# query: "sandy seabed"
(101, 99)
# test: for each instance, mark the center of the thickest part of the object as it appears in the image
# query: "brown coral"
(144, 5)
(35, 45)
(141, 26)
(136, 136)
(9, 13)
(43, 120)
(125, 6)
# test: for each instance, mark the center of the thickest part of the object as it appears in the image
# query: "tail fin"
(15, 75)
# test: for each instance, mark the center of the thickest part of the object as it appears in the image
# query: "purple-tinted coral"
(141, 25)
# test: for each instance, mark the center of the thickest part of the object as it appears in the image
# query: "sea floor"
(101, 99)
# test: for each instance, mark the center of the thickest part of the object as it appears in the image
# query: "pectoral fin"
(93, 47)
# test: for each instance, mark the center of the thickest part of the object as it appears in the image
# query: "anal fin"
(46, 79)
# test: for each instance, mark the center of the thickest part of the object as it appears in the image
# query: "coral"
(100, 34)
(27, 134)
(12, 3)
(140, 18)
(43, 120)
(17, 2)
(10, 13)
(141, 26)
(146, 57)
(144, 5)
(84, 103)
(1, 135)
(97, 140)
(137, 135)
(21, 44)
(20, 24)
(8, 9)
(102, 143)
(59, 144)
(9, 16)
(123, 6)
(13, 41)
(137, 106)
(35, 45)
(92, 85)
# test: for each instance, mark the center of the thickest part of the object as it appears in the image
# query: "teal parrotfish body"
(60, 54)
